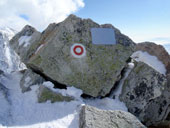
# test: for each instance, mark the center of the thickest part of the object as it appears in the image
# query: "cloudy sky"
(141, 20)
(38, 13)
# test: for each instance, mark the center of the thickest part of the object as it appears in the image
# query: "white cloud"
(40, 13)
(160, 38)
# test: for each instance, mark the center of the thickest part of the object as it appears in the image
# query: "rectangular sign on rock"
(102, 36)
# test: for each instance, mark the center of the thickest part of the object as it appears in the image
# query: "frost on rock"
(70, 91)
(152, 61)
(9, 60)
(24, 40)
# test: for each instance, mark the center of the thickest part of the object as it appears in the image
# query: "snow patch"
(116, 92)
(7, 33)
(152, 61)
(27, 81)
(9, 60)
(70, 91)
(26, 112)
(24, 40)
(4, 108)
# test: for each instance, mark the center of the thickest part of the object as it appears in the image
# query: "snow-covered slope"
(23, 110)
(9, 60)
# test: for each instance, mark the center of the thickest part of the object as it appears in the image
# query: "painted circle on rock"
(78, 50)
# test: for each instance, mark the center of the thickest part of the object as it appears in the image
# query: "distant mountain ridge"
(167, 47)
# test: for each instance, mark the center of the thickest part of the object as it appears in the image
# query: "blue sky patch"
(25, 17)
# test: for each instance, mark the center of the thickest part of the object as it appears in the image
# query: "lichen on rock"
(96, 72)
(46, 94)
(145, 94)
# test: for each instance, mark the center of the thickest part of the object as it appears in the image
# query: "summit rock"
(96, 72)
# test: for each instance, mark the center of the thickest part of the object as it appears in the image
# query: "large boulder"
(91, 117)
(23, 40)
(96, 72)
(155, 50)
(145, 93)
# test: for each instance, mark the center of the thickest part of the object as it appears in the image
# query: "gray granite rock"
(23, 40)
(145, 94)
(96, 72)
(45, 94)
(91, 117)
(28, 79)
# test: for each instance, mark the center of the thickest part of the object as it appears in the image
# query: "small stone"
(29, 79)
(46, 94)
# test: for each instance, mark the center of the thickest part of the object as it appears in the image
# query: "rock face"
(23, 40)
(156, 50)
(28, 79)
(46, 94)
(145, 94)
(91, 117)
(9, 60)
(96, 72)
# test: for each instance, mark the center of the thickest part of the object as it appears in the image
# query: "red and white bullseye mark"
(78, 50)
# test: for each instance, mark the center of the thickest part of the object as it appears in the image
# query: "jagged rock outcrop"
(96, 72)
(156, 50)
(145, 93)
(23, 40)
(46, 94)
(91, 117)
(28, 79)
(9, 60)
